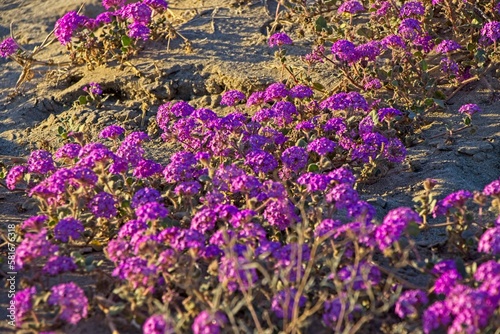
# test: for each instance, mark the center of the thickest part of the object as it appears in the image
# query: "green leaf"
(428, 102)
(467, 120)
(461, 267)
(424, 65)
(82, 100)
(439, 95)
(126, 41)
(301, 142)
(312, 168)
(116, 309)
(413, 229)
(480, 56)
(363, 31)
(321, 24)
(439, 102)
(318, 86)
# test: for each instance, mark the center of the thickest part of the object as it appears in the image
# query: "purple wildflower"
(283, 112)
(435, 316)
(68, 151)
(84, 175)
(394, 224)
(372, 84)
(33, 246)
(387, 114)
(343, 195)
(208, 323)
(491, 30)
(158, 5)
(113, 3)
(136, 12)
(112, 131)
(335, 124)
(326, 226)
(71, 300)
(276, 91)
(261, 161)
(68, 227)
(446, 281)
(231, 272)
(283, 303)
(490, 241)
(14, 176)
(316, 56)
(59, 264)
(151, 211)
(345, 50)
(93, 88)
(295, 158)
(447, 46)
(393, 41)
(156, 324)
(370, 50)
(8, 47)
(104, 18)
(350, 7)
(138, 30)
(301, 92)
(103, 205)
(204, 220)
(332, 310)
(456, 200)
(34, 223)
(313, 181)
(305, 126)
(424, 42)
(469, 109)
(342, 175)
(409, 28)
(281, 214)
(256, 98)
(359, 276)
(382, 8)
(146, 168)
(278, 39)
(321, 146)
(412, 8)
(487, 271)
(492, 189)
(187, 188)
(23, 301)
(395, 151)
(449, 66)
(66, 26)
(232, 97)
(40, 161)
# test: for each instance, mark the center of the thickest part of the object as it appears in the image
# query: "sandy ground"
(229, 51)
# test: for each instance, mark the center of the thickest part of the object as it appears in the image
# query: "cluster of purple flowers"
(469, 109)
(393, 226)
(464, 308)
(93, 88)
(8, 47)
(71, 301)
(350, 7)
(137, 17)
(278, 39)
